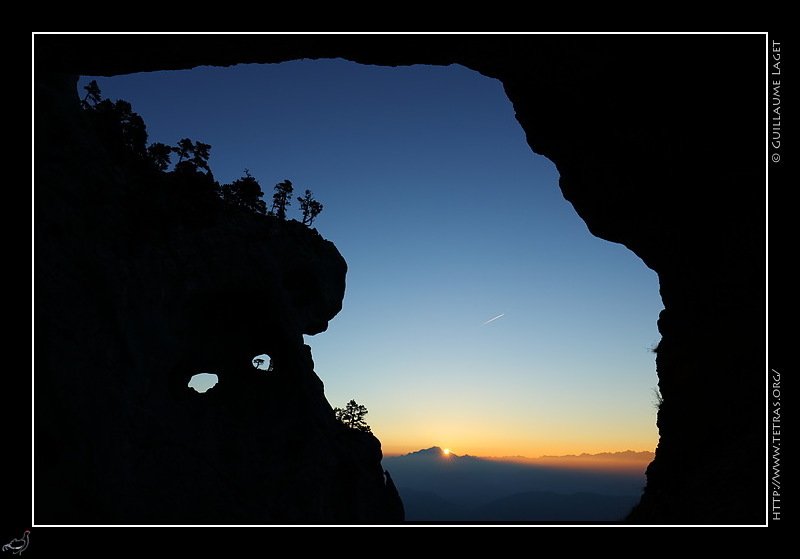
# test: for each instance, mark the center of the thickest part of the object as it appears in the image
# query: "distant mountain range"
(439, 487)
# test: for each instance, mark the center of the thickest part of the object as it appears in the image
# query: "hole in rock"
(203, 382)
(480, 314)
(263, 362)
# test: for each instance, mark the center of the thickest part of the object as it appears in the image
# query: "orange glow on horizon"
(621, 461)
(585, 458)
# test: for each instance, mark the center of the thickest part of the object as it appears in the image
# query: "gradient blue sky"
(446, 219)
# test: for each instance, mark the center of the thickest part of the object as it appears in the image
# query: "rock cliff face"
(137, 289)
(658, 148)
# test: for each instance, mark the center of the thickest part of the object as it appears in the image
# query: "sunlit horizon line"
(449, 451)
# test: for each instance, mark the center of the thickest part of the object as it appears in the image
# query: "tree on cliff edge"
(353, 416)
(281, 199)
(193, 154)
(309, 207)
(245, 192)
(93, 96)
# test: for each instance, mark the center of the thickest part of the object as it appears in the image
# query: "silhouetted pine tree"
(93, 96)
(281, 199)
(193, 154)
(353, 416)
(245, 192)
(310, 207)
(159, 154)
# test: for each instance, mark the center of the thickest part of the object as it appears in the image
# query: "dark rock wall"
(137, 289)
(659, 144)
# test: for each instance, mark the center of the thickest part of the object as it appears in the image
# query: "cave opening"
(478, 307)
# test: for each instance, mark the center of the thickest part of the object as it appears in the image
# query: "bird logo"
(17, 546)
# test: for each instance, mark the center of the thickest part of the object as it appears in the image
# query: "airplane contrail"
(495, 318)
